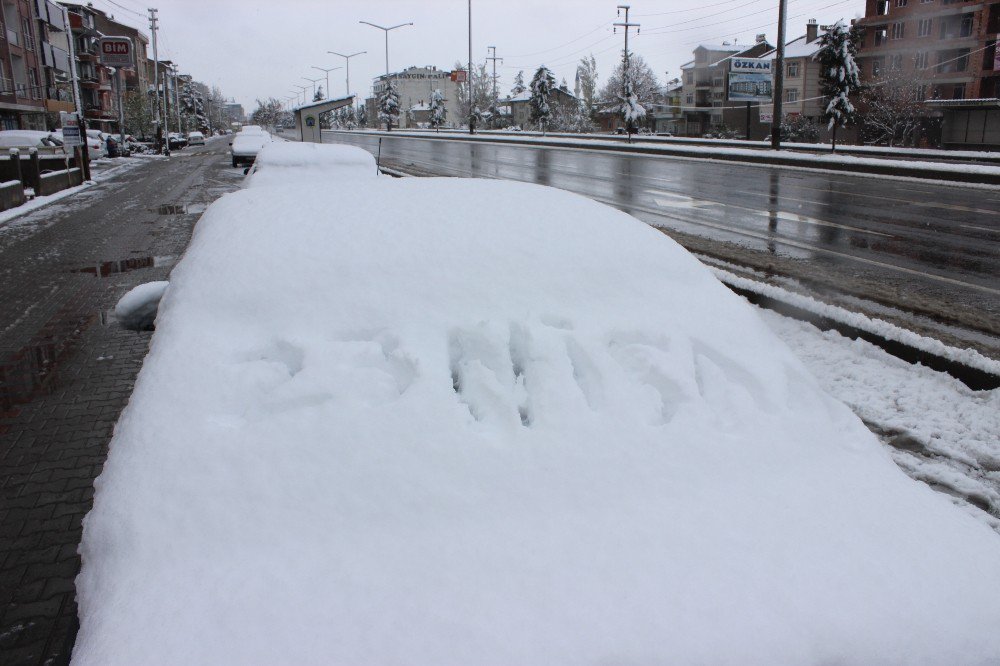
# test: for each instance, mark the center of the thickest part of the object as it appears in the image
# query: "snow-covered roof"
(799, 48)
(688, 65)
(727, 48)
(334, 103)
(525, 95)
(421, 106)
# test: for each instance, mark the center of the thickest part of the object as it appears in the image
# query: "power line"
(556, 48)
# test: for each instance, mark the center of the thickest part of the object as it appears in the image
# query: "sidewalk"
(66, 371)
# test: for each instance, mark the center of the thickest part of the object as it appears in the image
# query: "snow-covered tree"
(838, 74)
(192, 98)
(439, 112)
(318, 96)
(388, 105)
(518, 84)
(268, 113)
(542, 84)
(362, 115)
(138, 114)
(892, 110)
(645, 86)
(632, 111)
(586, 76)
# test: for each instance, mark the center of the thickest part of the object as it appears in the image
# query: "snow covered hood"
(289, 162)
(443, 421)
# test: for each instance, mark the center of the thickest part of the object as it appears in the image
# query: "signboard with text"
(459, 76)
(70, 129)
(750, 80)
(116, 52)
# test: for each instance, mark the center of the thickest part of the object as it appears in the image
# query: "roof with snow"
(799, 48)
(333, 104)
(728, 48)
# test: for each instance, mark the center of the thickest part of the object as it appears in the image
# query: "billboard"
(750, 80)
(116, 52)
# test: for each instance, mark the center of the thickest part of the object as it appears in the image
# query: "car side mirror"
(230, 143)
(246, 171)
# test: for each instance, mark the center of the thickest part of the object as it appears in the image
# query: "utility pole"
(779, 78)
(386, 31)
(347, 60)
(153, 27)
(121, 107)
(82, 152)
(166, 107)
(468, 79)
(625, 73)
(493, 57)
(177, 99)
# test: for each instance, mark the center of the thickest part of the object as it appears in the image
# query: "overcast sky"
(254, 49)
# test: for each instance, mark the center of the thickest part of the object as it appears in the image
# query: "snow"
(953, 432)
(281, 160)
(136, 310)
(401, 422)
(249, 143)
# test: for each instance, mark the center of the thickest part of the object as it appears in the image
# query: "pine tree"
(438, 110)
(542, 85)
(362, 115)
(318, 97)
(838, 74)
(518, 84)
(388, 105)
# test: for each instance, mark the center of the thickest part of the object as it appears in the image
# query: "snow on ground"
(944, 433)
(403, 422)
(136, 310)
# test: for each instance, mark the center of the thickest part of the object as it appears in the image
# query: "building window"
(689, 99)
(689, 78)
(29, 42)
(920, 60)
(793, 69)
(35, 92)
(926, 2)
(882, 7)
(900, 3)
(898, 29)
(792, 95)
(879, 37)
(958, 92)
(920, 93)
(896, 62)
(878, 64)
(966, 29)
(924, 28)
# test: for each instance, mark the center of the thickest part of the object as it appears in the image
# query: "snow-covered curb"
(974, 173)
(883, 329)
(41, 202)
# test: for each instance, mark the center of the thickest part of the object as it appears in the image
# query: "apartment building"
(99, 107)
(949, 44)
(135, 78)
(22, 95)
(414, 86)
(54, 38)
(705, 84)
(947, 50)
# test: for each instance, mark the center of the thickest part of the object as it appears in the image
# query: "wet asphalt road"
(927, 249)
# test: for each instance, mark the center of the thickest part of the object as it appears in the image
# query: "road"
(66, 370)
(922, 253)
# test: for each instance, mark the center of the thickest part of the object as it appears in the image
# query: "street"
(926, 249)
(66, 370)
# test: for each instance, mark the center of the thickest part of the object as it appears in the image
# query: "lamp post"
(314, 82)
(388, 122)
(327, 71)
(302, 91)
(347, 61)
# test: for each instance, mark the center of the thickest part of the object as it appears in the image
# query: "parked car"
(101, 139)
(195, 139)
(46, 142)
(246, 145)
(176, 141)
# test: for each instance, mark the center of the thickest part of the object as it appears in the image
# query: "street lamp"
(302, 91)
(388, 122)
(324, 69)
(347, 60)
(314, 81)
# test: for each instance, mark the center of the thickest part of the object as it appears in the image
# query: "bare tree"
(645, 86)
(893, 111)
(586, 76)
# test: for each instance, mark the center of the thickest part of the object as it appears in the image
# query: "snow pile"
(293, 161)
(136, 310)
(443, 421)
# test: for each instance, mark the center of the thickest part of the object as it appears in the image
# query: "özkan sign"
(116, 52)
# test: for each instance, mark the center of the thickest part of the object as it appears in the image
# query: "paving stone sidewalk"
(67, 370)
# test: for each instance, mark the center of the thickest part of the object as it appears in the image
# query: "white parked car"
(460, 421)
(196, 139)
(246, 145)
(97, 143)
(45, 142)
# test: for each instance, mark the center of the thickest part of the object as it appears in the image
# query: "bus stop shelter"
(307, 124)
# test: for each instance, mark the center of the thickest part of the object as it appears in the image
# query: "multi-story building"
(414, 85)
(945, 52)
(99, 106)
(135, 78)
(520, 105)
(668, 117)
(57, 69)
(22, 95)
(802, 95)
(705, 84)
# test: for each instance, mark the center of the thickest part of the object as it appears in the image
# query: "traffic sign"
(71, 129)
(116, 52)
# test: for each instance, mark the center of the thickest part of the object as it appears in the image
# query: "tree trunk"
(833, 144)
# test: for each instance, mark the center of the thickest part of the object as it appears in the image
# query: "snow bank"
(136, 310)
(443, 421)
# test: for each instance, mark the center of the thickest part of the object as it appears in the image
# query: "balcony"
(90, 84)
(6, 86)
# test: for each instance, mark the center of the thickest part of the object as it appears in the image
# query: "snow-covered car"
(195, 139)
(460, 421)
(245, 146)
(45, 142)
(97, 143)
(176, 141)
